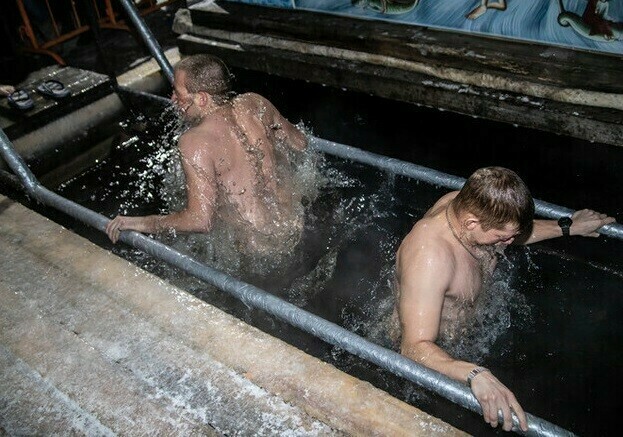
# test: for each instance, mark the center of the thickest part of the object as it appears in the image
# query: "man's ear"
(203, 98)
(470, 222)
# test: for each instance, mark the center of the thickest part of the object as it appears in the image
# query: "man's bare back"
(240, 147)
(235, 159)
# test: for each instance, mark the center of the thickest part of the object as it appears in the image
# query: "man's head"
(498, 200)
(200, 81)
(206, 73)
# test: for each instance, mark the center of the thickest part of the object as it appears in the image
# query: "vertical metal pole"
(148, 38)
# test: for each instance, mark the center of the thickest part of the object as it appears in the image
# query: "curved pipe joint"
(17, 164)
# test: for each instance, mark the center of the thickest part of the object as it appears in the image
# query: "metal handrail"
(256, 297)
(435, 177)
(148, 38)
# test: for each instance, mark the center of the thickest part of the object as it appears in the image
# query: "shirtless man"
(443, 263)
(230, 159)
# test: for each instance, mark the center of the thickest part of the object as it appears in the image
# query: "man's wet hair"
(207, 73)
(496, 196)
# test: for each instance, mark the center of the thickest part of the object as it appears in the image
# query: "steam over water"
(341, 265)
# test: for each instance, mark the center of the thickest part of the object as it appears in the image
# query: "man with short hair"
(233, 157)
(444, 262)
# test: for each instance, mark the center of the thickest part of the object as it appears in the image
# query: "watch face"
(565, 221)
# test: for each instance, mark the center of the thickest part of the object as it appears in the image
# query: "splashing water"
(494, 311)
(339, 214)
(221, 248)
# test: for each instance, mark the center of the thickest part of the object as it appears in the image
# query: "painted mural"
(584, 24)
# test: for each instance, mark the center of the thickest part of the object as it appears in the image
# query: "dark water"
(552, 334)
(560, 357)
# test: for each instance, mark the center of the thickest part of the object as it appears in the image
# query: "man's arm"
(426, 271)
(201, 192)
(424, 278)
(586, 222)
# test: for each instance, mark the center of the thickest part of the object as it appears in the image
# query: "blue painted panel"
(289, 4)
(584, 24)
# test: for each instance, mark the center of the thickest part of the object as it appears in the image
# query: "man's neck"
(457, 230)
(212, 109)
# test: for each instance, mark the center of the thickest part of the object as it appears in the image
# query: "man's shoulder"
(427, 238)
(197, 133)
(198, 138)
(442, 202)
(212, 127)
(248, 99)
(253, 103)
(424, 254)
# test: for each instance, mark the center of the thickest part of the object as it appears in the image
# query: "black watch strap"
(565, 224)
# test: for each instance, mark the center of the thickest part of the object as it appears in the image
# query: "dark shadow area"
(123, 49)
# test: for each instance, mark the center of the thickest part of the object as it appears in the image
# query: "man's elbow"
(193, 222)
(298, 139)
(203, 226)
(304, 140)
(418, 351)
(302, 145)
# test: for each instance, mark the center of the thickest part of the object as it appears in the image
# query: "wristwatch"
(565, 223)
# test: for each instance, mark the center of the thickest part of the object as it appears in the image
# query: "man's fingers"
(498, 402)
(111, 235)
(507, 418)
(521, 415)
(112, 229)
(605, 220)
(492, 415)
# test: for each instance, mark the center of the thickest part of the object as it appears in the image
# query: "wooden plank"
(537, 62)
(601, 125)
(142, 357)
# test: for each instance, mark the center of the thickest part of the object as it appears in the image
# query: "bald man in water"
(231, 158)
(444, 262)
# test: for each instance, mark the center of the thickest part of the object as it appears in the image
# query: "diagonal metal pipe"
(148, 38)
(434, 177)
(258, 298)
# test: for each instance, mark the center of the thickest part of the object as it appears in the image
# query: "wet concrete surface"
(91, 344)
